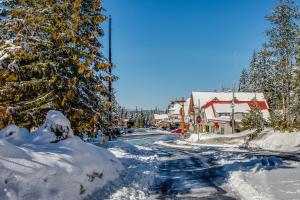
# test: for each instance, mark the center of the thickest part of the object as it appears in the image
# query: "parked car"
(181, 131)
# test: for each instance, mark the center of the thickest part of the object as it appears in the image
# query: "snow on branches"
(7, 49)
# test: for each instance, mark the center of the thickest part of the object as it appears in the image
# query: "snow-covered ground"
(277, 141)
(213, 138)
(140, 165)
(256, 178)
(146, 164)
(260, 175)
(143, 132)
(267, 140)
(38, 166)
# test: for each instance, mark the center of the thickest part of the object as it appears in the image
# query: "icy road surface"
(202, 172)
(183, 173)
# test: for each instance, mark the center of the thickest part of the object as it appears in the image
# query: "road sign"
(198, 119)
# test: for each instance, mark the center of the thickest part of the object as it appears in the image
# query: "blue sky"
(164, 49)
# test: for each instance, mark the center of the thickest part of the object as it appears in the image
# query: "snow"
(268, 140)
(15, 135)
(140, 163)
(161, 116)
(226, 108)
(214, 137)
(8, 48)
(204, 97)
(13, 66)
(258, 178)
(175, 109)
(209, 113)
(278, 183)
(139, 133)
(38, 166)
(266, 114)
(57, 123)
(277, 141)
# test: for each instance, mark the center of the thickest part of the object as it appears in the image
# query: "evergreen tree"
(283, 40)
(244, 81)
(253, 72)
(266, 81)
(58, 62)
(254, 119)
(28, 81)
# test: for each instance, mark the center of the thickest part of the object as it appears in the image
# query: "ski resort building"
(161, 120)
(212, 111)
(176, 111)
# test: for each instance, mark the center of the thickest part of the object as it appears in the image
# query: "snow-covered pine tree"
(266, 81)
(117, 112)
(244, 81)
(141, 119)
(60, 65)
(253, 73)
(28, 78)
(283, 39)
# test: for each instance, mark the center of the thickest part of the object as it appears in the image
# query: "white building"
(212, 111)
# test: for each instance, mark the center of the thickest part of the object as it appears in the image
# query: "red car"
(181, 131)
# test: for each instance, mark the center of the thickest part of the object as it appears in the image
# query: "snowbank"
(267, 140)
(279, 183)
(38, 166)
(134, 182)
(213, 138)
(277, 141)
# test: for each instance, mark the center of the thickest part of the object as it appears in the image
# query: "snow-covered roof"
(226, 108)
(160, 116)
(201, 98)
(175, 109)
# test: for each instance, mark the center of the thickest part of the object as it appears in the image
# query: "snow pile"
(277, 182)
(214, 138)
(259, 177)
(55, 128)
(38, 166)
(15, 135)
(133, 184)
(268, 140)
(58, 124)
(277, 141)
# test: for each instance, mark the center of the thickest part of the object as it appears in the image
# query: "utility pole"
(232, 106)
(198, 125)
(110, 74)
